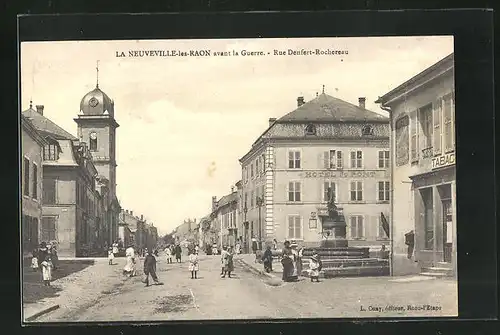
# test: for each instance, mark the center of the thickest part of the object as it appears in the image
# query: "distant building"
(324, 143)
(32, 144)
(138, 229)
(423, 169)
(227, 218)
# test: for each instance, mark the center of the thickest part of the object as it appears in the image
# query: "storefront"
(435, 217)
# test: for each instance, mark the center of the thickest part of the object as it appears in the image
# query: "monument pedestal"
(340, 260)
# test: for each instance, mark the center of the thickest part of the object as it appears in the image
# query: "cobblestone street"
(252, 296)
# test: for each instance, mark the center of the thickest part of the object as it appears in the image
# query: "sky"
(186, 121)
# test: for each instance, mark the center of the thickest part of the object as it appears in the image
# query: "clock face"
(93, 136)
(93, 102)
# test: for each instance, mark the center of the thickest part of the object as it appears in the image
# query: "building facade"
(423, 160)
(32, 144)
(227, 218)
(138, 228)
(324, 143)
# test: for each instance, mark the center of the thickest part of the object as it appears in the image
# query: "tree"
(168, 239)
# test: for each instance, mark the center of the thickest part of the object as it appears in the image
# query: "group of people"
(291, 259)
(45, 259)
(227, 254)
(173, 250)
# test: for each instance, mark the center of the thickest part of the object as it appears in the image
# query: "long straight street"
(252, 296)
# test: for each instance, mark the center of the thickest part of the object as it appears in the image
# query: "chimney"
(271, 121)
(132, 213)
(126, 211)
(39, 109)
(362, 102)
(142, 217)
(300, 101)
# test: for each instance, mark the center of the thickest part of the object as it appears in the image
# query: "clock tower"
(97, 129)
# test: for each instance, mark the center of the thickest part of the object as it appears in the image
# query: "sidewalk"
(74, 290)
(249, 261)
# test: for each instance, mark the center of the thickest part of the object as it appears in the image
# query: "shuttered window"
(448, 111)
(294, 227)
(437, 120)
(356, 227)
(414, 137)
(326, 185)
(49, 191)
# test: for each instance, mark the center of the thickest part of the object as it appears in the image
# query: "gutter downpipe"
(391, 150)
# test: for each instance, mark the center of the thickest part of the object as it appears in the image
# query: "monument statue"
(334, 224)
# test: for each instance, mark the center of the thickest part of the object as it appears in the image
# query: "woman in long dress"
(129, 268)
(289, 263)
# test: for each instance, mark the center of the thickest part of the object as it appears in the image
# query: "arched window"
(93, 141)
(311, 129)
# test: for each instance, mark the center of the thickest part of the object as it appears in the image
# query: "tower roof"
(96, 102)
(325, 108)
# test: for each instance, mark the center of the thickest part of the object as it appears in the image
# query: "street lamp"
(260, 203)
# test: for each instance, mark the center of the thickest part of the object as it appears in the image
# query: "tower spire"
(323, 89)
(97, 72)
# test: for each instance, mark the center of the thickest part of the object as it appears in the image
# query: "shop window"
(428, 218)
(294, 191)
(294, 227)
(294, 159)
(402, 141)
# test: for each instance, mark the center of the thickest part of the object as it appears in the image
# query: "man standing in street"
(150, 268)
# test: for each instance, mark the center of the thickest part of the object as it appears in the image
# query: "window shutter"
(298, 227)
(340, 163)
(414, 136)
(453, 120)
(326, 156)
(290, 226)
(437, 120)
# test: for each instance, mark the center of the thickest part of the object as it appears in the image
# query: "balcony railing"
(427, 153)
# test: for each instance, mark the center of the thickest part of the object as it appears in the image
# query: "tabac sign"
(443, 160)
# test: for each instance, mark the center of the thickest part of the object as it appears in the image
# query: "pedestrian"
(115, 248)
(129, 268)
(193, 264)
(254, 247)
(34, 260)
(410, 242)
(197, 249)
(267, 259)
(111, 256)
(46, 271)
(53, 255)
(289, 264)
(275, 244)
(314, 268)
(230, 262)
(224, 259)
(238, 248)
(150, 268)
(42, 253)
(178, 253)
(168, 251)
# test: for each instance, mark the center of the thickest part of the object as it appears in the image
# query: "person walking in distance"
(267, 259)
(193, 264)
(150, 268)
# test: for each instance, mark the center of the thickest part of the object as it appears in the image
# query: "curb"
(40, 313)
(262, 272)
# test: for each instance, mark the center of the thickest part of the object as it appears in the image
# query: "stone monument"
(337, 257)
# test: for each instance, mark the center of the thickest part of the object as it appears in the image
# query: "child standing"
(34, 260)
(193, 264)
(168, 251)
(111, 256)
(47, 271)
(314, 268)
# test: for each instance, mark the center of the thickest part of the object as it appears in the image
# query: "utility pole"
(260, 202)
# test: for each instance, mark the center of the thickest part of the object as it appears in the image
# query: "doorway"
(447, 221)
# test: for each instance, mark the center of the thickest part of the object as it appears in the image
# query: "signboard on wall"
(443, 160)
(345, 174)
